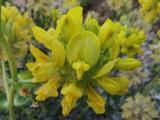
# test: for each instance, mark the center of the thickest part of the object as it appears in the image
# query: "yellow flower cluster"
(139, 108)
(155, 52)
(132, 41)
(150, 9)
(81, 59)
(17, 29)
(135, 19)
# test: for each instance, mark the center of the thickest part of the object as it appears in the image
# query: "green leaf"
(3, 100)
(20, 100)
(26, 84)
(24, 75)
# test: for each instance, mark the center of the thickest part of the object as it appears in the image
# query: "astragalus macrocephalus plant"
(81, 58)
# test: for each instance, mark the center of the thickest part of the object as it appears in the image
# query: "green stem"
(82, 113)
(4, 74)
(12, 93)
(7, 48)
(13, 70)
(4, 44)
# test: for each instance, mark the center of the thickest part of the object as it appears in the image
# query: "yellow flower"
(70, 25)
(107, 33)
(40, 56)
(43, 69)
(21, 27)
(132, 40)
(81, 59)
(49, 89)
(9, 13)
(53, 44)
(71, 94)
(42, 36)
(91, 24)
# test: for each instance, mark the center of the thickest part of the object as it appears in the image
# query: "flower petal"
(76, 12)
(42, 36)
(68, 103)
(58, 53)
(92, 25)
(49, 89)
(42, 71)
(105, 69)
(31, 65)
(60, 22)
(107, 33)
(123, 83)
(72, 88)
(71, 94)
(95, 101)
(40, 56)
(68, 25)
(83, 46)
(115, 50)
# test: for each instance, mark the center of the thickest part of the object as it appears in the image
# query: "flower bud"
(127, 63)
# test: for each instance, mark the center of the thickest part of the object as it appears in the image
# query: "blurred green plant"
(46, 12)
(135, 19)
(14, 28)
(120, 6)
(17, 30)
(155, 52)
(139, 107)
(85, 3)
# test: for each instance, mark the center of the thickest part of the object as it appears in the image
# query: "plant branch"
(7, 48)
